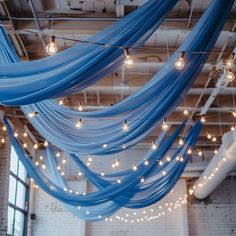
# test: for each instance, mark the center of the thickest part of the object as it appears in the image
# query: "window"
(18, 197)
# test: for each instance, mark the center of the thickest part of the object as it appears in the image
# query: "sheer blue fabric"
(143, 110)
(109, 196)
(84, 64)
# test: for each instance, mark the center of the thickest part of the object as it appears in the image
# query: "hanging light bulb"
(3, 140)
(209, 136)
(51, 48)
(125, 126)
(230, 61)
(154, 146)
(168, 158)
(117, 162)
(4, 128)
(45, 143)
(181, 141)
(25, 134)
(233, 113)
(215, 151)
(164, 125)
(232, 128)
(36, 146)
(32, 114)
(142, 179)
(80, 107)
(90, 159)
(15, 134)
(58, 154)
(128, 59)
(189, 151)
(185, 112)
(78, 124)
(25, 145)
(135, 167)
(61, 102)
(199, 153)
(102, 173)
(163, 173)
(213, 139)
(146, 163)
(43, 166)
(230, 75)
(179, 64)
(203, 119)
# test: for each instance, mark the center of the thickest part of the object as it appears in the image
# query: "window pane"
(21, 172)
(12, 190)
(19, 224)
(20, 197)
(10, 220)
(14, 161)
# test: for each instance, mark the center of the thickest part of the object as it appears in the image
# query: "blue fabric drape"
(84, 64)
(142, 110)
(110, 196)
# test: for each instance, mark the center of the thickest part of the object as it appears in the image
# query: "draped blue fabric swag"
(144, 109)
(109, 195)
(82, 65)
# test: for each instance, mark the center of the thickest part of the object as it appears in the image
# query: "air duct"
(219, 167)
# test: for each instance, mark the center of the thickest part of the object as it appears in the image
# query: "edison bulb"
(51, 48)
(230, 76)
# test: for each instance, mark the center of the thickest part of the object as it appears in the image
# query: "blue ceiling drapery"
(82, 65)
(129, 193)
(143, 110)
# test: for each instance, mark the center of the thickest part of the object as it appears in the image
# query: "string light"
(125, 126)
(80, 107)
(78, 124)
(4, 128)
(163, 173)
(230, 75)
(58, 154)
(232, 128)
(15, 134)
(102, 173)
(32, 114)
(146, 163)
(128, 59)
(64, 161)
(230, 61)
(168, 158)
(134, 168)
(104, 145)
(209, 136)
(25, 145)
(90, 159)
(142, 179)
(213, 139)
(179, 64)
(185, 112)
(43, 166)
(189, 151)
(3, 140)
(45, 143)
(51, 48)
(181, 141)
(36, 163)
(36, 146)
(203, 119)
(233, 113)
(154, 146)
(80, 174)
(61, 102)
(215, 151)
(164, 124)
(25, 134)
(199, 153)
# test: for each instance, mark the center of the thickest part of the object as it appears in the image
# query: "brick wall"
(4, 186)
(216, 215)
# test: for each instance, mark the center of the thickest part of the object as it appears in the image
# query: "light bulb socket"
(53, 38)
(164, 120)
(181, 55)
(126, 50)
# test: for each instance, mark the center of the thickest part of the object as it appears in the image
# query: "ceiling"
(30, 24)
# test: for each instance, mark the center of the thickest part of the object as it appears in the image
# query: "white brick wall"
(4, 186)
(215, 215)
